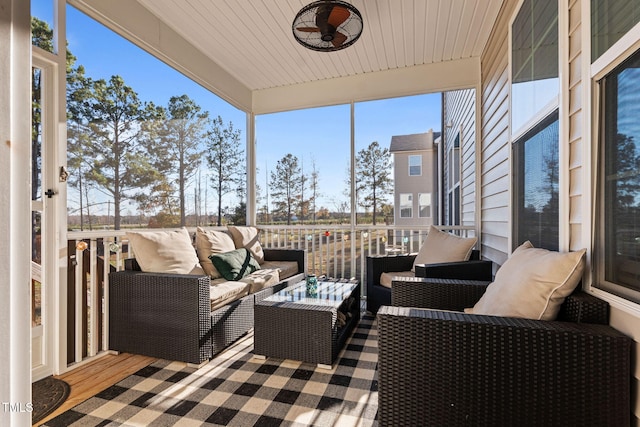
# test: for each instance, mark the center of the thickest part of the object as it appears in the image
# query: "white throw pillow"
(209, 242)
(247, 237)
(532, 284)
(440, 246)
(165, 251)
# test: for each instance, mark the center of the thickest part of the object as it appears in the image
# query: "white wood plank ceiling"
(252, 39)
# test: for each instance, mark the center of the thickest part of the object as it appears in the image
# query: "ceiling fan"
(327, 25)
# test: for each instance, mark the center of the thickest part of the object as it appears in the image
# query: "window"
(536, 216)
(415, 165)
(454, 207)
(534, 121)
(610, 20)
(619, 215)
(453, 182)
(454, 162)
(534, 53)
(424, 205)
(406, 205)
(42, 24)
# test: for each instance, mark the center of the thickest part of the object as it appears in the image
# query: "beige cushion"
(286, 268)
(386, 278)
(440, 247)
(247, 237)
(226, 292)
(165, 251)
(532, 283)
(218, 281)
(260, 279)
(209, 242)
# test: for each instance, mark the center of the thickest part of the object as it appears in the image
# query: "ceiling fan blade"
(338, 39)
(308, 29)
(338, 15)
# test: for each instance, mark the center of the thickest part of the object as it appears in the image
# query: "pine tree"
(286, 187)
(178, 145)
(121, 164)
(225, 157)
(373, 172)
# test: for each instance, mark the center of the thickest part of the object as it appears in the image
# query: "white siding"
(495, 148)
(459, 111)
(573, 120)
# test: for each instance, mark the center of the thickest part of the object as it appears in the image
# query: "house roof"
(413, 142)
(245, 52)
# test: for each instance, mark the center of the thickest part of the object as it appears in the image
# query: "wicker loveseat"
(439, 366)
(182, 308)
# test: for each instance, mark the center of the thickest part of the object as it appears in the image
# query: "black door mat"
(47, 395)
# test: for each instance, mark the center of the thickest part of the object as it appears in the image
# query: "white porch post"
(354, 213)
(251, 169)
(59, 278)
(15, 140)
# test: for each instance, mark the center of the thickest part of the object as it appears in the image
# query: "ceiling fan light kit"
(327, 25)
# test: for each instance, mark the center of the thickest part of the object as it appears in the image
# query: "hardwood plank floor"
(90, 379)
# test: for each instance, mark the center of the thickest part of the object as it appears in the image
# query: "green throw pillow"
(236, 264)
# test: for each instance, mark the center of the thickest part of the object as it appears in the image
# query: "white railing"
(332, 250)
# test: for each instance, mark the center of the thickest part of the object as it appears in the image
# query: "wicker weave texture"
(445, 368)
(169, 315)
(378, 295)
(161, 316)
(444, 294)
(584, 308)
(304, 332)
(232, 321)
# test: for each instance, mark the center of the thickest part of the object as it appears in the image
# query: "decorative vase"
(312, 286)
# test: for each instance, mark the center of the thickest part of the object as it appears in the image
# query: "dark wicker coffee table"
(292, 325)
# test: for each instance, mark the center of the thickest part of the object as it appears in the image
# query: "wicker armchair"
(449, 368)
(169, 315)
(378, 295)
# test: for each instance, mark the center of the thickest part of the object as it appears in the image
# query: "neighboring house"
(414, 178)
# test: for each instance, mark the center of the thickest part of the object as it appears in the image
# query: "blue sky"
(321, 134)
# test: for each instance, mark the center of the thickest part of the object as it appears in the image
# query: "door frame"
(49, 208)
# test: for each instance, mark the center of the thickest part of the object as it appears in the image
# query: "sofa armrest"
(378, 295)
(581, 307)
(465, 270)
(160, 315)
(384, 264)
(376, 265)
(435, 293)
(277, 254)
(449, 368)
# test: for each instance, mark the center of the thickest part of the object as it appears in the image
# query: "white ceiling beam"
(420, 79)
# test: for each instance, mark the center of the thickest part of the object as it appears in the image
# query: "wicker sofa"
(439, 366)
(169, 316)
(378, 295)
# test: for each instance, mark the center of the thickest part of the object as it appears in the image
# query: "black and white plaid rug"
(236, 389)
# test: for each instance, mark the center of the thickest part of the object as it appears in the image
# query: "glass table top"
(329, 293)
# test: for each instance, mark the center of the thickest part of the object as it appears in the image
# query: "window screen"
(534, 60)
(536, 215)
(619, 217)
(610, 20)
